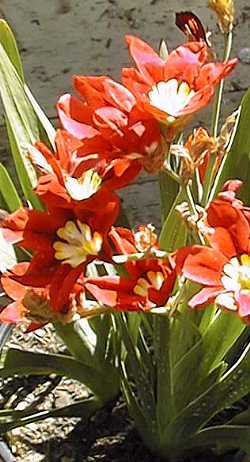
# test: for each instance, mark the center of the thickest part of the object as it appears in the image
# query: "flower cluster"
(223, 267)
(109, 134)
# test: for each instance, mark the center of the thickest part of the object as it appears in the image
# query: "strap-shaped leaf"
(136, 369)
(21, 363)
(237, 161)
(23, 168)
(207, 353)
(220, 337)
(232, 386)
(11, 418)
(223, 437)
(168, 192)
(174, 233)
(8, 190)
(165, 406)
(46, 129)
(8, 41)
(21, 123)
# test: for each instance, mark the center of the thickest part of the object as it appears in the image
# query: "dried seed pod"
(225, 12)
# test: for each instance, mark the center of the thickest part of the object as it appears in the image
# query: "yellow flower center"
(154, 279)
(171, 96)
(78, 242)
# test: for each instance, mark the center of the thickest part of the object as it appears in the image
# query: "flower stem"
(219, 90)
(193, 210)
(215, 119)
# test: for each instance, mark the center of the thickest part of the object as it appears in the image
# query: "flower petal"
(204, 297)
(13, 313)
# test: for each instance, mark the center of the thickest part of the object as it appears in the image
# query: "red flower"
(223, 269)
(148, 283)
(63, 239)
(109, 123)
(31, 304)
(80, 176)
(172, 90)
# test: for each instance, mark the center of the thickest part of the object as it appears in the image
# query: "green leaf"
(243, 418)
(145, 426)
(8, 190)
(79, 344)
(136, 369)
(21, 123)
(165, 406)
(8, 41)
(174, 233)
(11, 418)
(236, 163)
(232, 386)
(21, 363)
(223, 437)
(220, 337)
(168, 192)
(208, 352)
(44, 122)
(22, 168)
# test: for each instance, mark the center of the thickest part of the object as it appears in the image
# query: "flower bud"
(225, 12)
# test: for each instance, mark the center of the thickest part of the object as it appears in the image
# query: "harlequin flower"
(224, 268)
(108, 122)
(172, 90)
(63, 240)
(148, 283)
(32, 304)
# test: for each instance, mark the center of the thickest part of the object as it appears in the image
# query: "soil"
(59, 38)
(109, 436)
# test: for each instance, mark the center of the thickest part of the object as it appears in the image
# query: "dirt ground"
(58, 38)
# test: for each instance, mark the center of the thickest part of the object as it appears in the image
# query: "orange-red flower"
(82, 173)
(32, 304)
(148, 283)
(108, 122)
(63, 239)
(224, 268)
(172, 90)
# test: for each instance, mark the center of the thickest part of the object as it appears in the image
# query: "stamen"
(155, 280)
(79, 243)
(141, 287)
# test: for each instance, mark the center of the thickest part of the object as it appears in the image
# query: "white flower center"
(154, 279)
(236, 277)
(171, 96)
(78, 242)
(83, 187)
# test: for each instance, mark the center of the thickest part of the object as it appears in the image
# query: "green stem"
(190, 200)
(215, 119)
(193, 210)
(219, 90)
